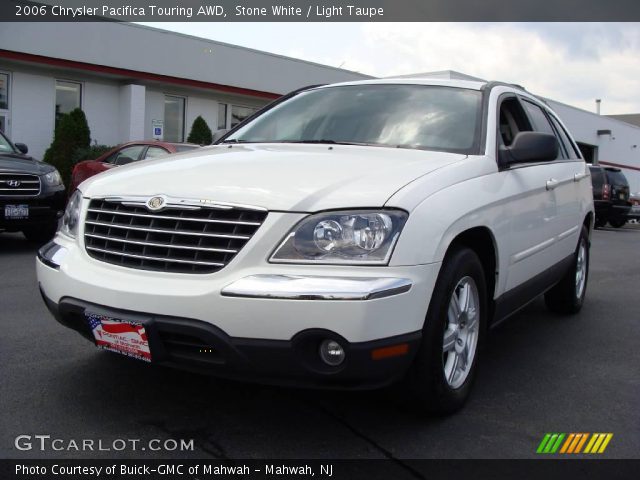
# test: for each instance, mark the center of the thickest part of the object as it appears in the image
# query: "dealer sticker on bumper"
(120, 336)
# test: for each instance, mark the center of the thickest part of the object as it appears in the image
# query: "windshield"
(5, 145)
(409, 116)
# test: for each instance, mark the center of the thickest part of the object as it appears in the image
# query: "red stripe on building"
(90, 67)
(619, 165)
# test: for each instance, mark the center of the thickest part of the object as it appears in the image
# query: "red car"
(124, 154)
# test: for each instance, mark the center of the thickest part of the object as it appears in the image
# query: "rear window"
(616, 177)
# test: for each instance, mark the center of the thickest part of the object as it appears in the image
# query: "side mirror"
(529, 147)
(22, 148)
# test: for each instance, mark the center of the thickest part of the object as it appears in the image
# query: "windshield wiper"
(329, 142)
(235, 140)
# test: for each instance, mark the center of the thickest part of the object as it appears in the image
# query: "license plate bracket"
(121, 336)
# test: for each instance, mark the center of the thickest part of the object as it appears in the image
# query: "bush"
(89, 153)
(200, 132)
(71, 134)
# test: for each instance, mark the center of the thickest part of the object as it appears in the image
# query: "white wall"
(32, 111)
(103, 113)
(135, 47)
(131, 117)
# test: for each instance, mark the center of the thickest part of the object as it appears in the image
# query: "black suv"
(32, 195)
(610, 196)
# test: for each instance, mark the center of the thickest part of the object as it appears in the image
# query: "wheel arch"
(589, 222)
(482, 241)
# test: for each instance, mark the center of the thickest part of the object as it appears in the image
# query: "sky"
(574, 63)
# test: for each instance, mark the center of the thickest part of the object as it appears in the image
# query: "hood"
(285, 177)
(16, 162)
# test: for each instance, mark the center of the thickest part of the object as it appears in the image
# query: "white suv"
(346, 236)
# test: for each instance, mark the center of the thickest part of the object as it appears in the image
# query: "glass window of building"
(68, 97)
(174, 118)
(4, 91)
(222, 116)
(238, 114)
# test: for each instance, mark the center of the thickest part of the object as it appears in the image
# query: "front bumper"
(618, 212)
(201, 347)
(43, 209)
(263, 321)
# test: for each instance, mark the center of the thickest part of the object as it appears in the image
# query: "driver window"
(512, 120)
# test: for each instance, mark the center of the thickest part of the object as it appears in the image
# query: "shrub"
(200, 132)
(72, 133)
(89, 153)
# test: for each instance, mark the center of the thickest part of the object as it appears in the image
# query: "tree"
(200, 132)
(71, 134)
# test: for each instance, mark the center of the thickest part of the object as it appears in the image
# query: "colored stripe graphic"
(567, 442)
(543, 443)
(598, 443)
(550, 443)
(581, 443)
(572, 443)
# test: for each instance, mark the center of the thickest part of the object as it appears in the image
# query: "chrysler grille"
(13, 184)
(176, 239)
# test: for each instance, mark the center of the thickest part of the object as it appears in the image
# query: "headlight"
(365, 237)
(71, 216)
(53, 179)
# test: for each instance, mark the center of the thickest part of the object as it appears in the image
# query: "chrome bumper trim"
(299, 287)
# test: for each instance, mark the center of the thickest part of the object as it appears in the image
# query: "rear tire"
(568, 295)
(40, 234)
(441, 378)
(617, 223)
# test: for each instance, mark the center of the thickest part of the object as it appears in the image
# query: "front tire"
(568, 295)
(442, 375)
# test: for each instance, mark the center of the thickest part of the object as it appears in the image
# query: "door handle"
(579, 176)
(552, 183)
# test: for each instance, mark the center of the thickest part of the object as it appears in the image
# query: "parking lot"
(539, 373)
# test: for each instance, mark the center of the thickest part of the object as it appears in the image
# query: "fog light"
(331, 353)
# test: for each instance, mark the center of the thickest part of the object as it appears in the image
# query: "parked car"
(324, 242)
(32, 195)
(610, 196)
(124, 154)
(634, 213)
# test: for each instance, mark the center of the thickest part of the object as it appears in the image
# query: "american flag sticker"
(120, 336)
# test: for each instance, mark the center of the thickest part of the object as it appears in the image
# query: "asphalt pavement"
(539, 373)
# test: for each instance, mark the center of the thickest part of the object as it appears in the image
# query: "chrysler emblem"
(156, 203)
(13, 183)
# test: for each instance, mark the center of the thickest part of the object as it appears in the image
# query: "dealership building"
(135, 82)
(132, 80)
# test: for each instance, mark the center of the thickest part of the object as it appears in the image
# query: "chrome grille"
(180, 239)
(15, 184)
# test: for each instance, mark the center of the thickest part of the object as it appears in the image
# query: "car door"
(566, 174)
(530, 207)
